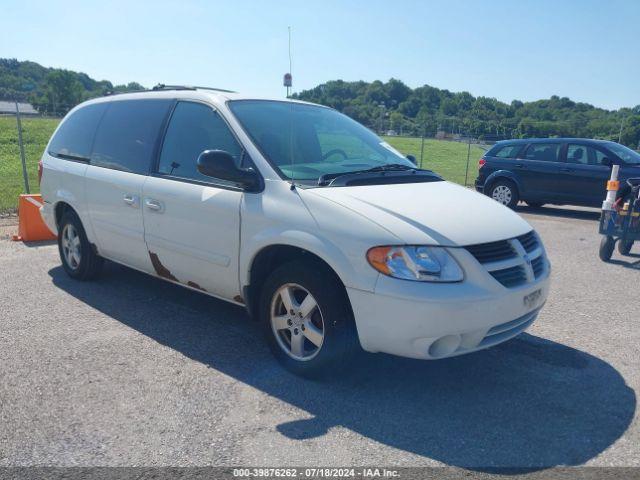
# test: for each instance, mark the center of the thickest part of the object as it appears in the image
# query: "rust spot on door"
(195, 285)
(239, 299)
(160, 269)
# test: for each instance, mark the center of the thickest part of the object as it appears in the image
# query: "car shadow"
(530, 403)
(553, 211)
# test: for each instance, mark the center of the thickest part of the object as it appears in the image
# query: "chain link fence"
(25, 134)
(23, 137)
(453, 156)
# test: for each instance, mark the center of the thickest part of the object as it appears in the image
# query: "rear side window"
(547, 152)
(508, 151)
(74, 137)
(128, 133)
(584, 155)
(194, 128)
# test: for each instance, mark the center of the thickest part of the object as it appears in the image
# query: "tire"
(505, 192)
(607, 244)
(330, 341)
(625, 247)
(535, 204)
(77, 255)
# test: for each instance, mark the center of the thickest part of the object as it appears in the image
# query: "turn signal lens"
(422, 264)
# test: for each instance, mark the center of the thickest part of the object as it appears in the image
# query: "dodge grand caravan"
(328, 236)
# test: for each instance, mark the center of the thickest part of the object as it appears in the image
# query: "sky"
(508, 49)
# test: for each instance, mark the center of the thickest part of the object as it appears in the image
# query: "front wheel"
(505, 192)
(607, 244)
(625, 247)
(307, 319)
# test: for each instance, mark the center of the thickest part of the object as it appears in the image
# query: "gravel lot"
(130, 370)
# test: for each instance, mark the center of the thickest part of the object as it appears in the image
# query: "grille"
(529, 241)
(512, 262)
(492, 252)
(510, 277)
(538, 266)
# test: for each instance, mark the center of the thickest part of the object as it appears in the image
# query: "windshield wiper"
(326, 179)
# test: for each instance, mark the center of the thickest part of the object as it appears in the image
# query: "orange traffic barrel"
(31, 227)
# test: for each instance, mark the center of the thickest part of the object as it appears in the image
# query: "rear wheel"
(307, 319)
(625, 247)
(505, 192)
(607, 244)
(78, 258)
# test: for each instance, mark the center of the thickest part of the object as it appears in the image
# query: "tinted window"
(600, 156)
(75, 135)
(127, 134)
(547, 152)
(194, 128)
(508, 151)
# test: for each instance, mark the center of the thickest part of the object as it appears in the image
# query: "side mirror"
(220, 164)
(412, 159)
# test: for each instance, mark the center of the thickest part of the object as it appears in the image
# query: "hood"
(437, 213)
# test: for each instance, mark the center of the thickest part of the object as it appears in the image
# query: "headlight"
(422, 264)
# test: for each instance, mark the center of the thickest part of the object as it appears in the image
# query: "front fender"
(322, 247)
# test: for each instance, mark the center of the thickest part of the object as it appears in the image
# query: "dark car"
(571, 171)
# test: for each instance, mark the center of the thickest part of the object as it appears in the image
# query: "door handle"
(565, 169)
(152, 204)
(129, 199)
(520, 165)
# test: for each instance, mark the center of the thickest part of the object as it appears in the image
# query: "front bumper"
(431, 321)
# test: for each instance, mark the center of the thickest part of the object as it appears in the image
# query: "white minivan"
(329, 237)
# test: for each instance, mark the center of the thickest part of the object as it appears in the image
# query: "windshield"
(303, 142)
(625, 153)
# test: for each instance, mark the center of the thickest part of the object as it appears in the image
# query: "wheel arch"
(270, 257)
(501, 175)
(60, 209)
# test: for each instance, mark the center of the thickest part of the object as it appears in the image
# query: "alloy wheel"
(297, 322)
(71, 246)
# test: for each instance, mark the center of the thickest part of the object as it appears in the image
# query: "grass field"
(448, 159)
(35, 135)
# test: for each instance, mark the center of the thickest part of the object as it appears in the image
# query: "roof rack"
(162, 86)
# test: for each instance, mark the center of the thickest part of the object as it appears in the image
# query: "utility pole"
(424, 133)
(621, 125)
(22, 156)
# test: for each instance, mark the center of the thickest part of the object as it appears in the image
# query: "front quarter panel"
(279, 216)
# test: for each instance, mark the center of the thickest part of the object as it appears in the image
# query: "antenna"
(287, 76)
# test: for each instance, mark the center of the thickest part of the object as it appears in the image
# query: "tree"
(62, 91)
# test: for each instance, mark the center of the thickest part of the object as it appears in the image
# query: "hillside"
(51, 90)
(395, 106)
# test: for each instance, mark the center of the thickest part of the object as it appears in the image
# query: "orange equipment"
(31, 227)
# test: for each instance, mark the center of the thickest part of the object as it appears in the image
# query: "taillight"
(40, 172)
(481, 162)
